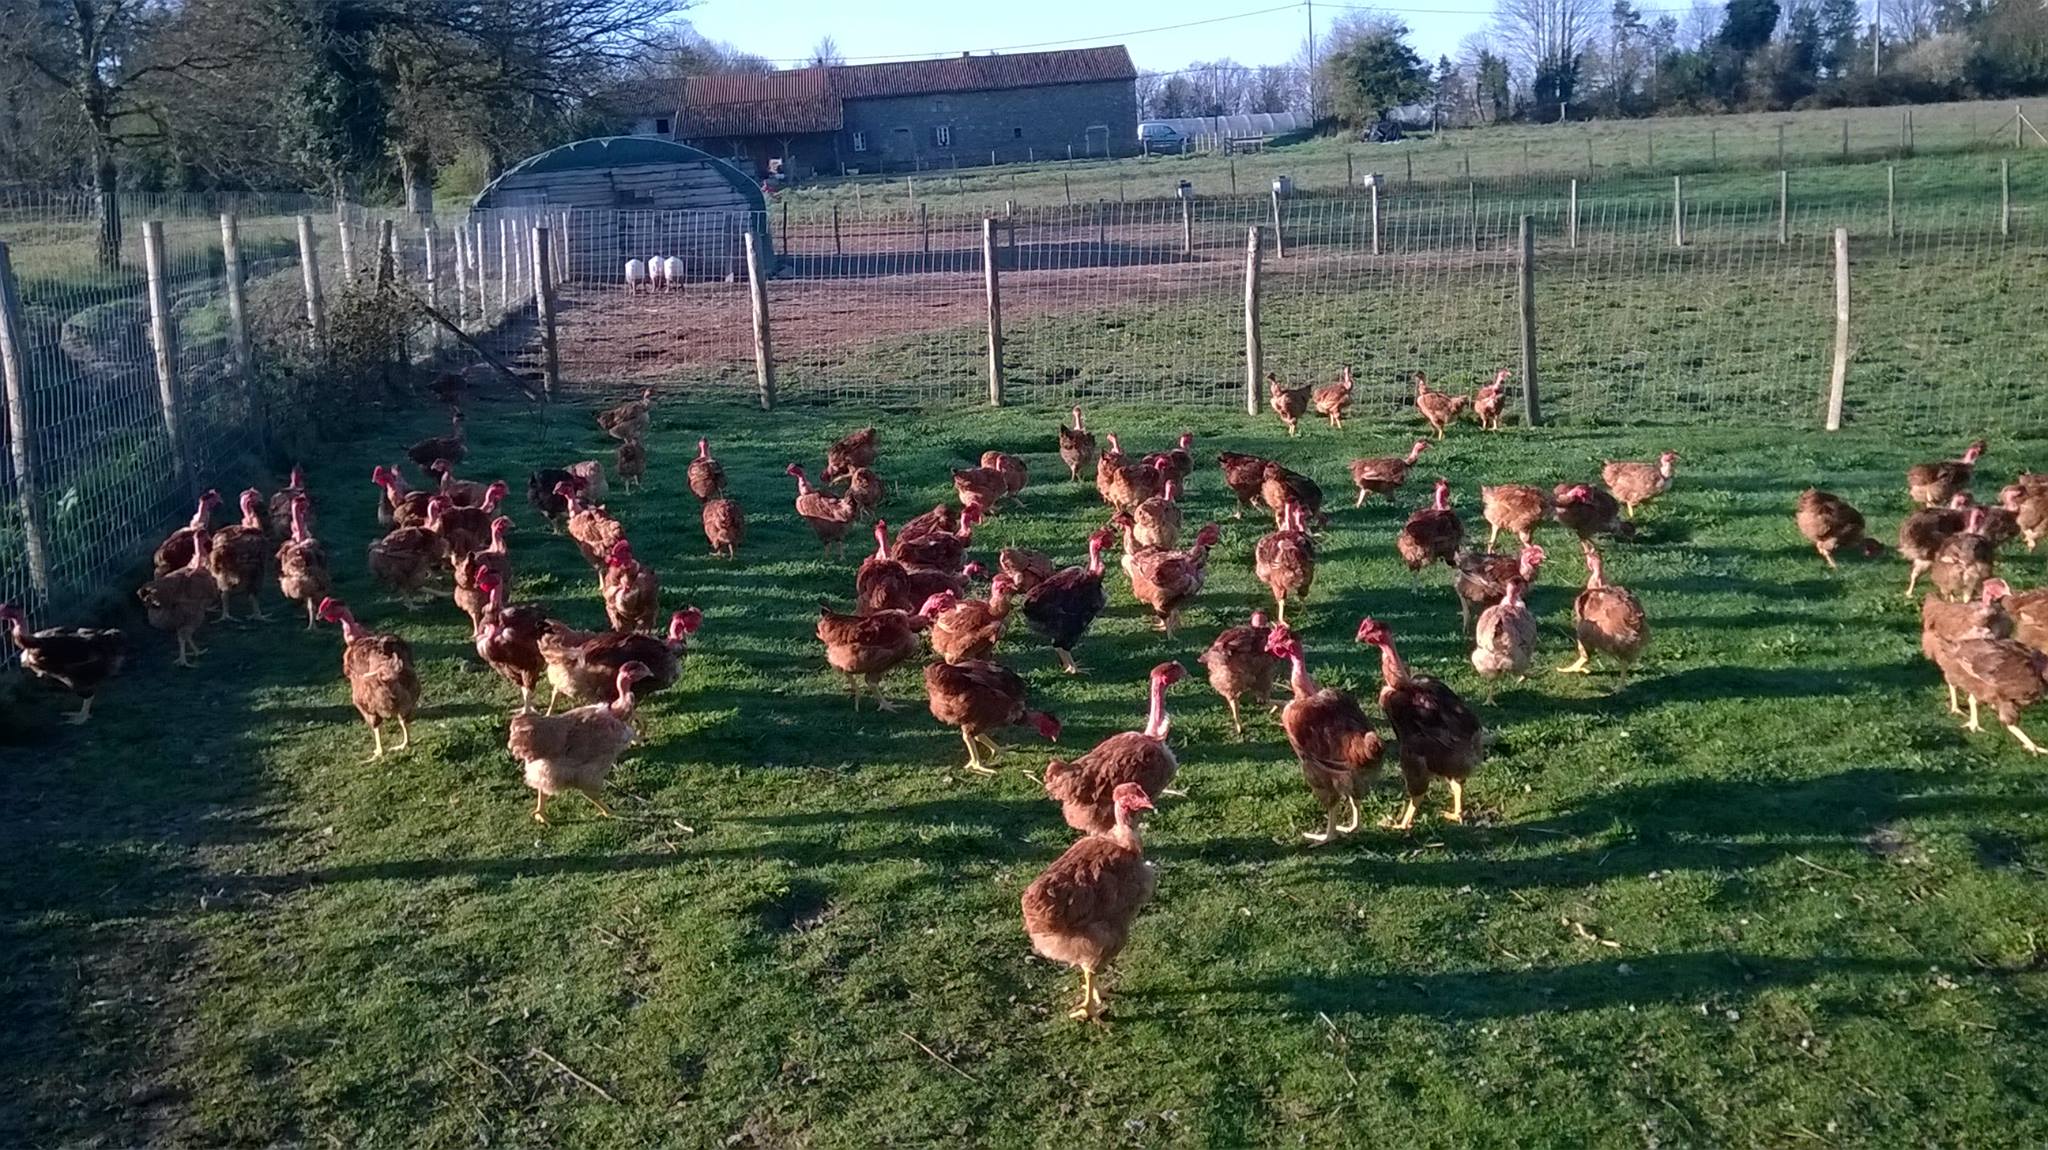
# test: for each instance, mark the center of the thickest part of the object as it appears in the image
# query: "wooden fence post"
(238, 303)
(1840, 375)
(1571, 218)
(764, 353)
(21, 437)
(164, 342)
(992, 278)
(389, 269)
(924, 227)
(342, 231)
(1348, 179)
(1233, 174)
(1678, 211)
(544, 312)
(461, 272)
(1472, 213)
(1532, 407)
(835, 228)
(429, 238)
(309, 270)
(504, 264)
(1714, 146)
(1279, 241)
(2005, 197)
(1784, 231)
(1375, 218)
(1845, 136)
(1254, 357)
(1410, 157)
(1781, 146)
(1891, 201)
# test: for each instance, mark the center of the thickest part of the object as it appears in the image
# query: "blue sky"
(784, 29)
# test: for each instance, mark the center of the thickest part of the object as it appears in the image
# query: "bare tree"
(1546, 39)
(825, 53)
(1701, 23)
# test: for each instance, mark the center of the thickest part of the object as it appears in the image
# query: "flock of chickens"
(915, 590)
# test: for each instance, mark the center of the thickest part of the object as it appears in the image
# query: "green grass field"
(1767, 894)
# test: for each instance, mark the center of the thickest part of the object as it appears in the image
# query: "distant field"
(1601, 149)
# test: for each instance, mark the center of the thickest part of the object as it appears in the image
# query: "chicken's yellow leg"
(1973, 724)
(1954, 707)
(1087, 1007)
(404, 734)
(540, 806)
(1405, 820)
(974, 763)
(1579, 667)
(2032, 747)
(377, 733)
(601, 808)
(83, 712)
(1457, 811)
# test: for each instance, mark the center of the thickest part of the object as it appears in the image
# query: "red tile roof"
(813, 99)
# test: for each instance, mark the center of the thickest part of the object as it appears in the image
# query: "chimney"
(965, 55)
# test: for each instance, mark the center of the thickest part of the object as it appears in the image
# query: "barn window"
(942, 136)
(661, 127)
(860, 141)
(1016, 133)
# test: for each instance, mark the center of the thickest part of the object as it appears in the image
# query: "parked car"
(1159, 136)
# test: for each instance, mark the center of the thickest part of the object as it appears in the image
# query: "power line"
(1057, 43)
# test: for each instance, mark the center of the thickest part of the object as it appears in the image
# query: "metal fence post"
(238, 304)
(21, 437)
(309, 270)
(544, 311)
(835, 228)
(1254, 369)
(1678, 211)
(1784, 233)
(1840, 375)
(504, 265)
(2005, 197)
(164, 342)
(428, 237)
(461, 272)
(757, 295)
(1532, 407)
(1279, 241)
(1891, 201)
(1187, 226)
(1375, 218)
(995, 312)
(1571, 218)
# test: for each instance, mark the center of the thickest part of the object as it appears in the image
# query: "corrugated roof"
(813, 99)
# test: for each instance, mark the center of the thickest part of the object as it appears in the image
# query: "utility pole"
(1311, 59)
(1876, 43)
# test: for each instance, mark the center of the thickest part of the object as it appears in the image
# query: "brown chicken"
(1587, 511)
(178, 601)
(1481, 578)
(1085, 787)
(1156, 522)
(1062, 606)
(2028, 504)
(1289, 403)
(886, 584)
(1433, 534)
(630, 461)
(1338, 750)
(1504, 643)
(467, 529)
(1280, 486)
(1332, 398)
(1077, 447)
(856, 450)
(1922, 533)
(1285, 561)
(1515, 508)
(1607, 619)
(279, 518)
(1079, 910)
(508, 639)
(400, 506)
(1384, 476)
(629, 420)
(1175, 463)
(594, 530)
(453, 447)
(1239, 665)
(1011, 468)
(1124, 482)
(631, 590)
(978, 696)
(966, 629)
(584, 666)
(403, 561)
(725, 526)
(706, 475)
(1964, 560)
(240, 557)
(1025, 567)
(2006, 674)
(459, 492)
(590, 482)
(944, 550)
(828, 516)
(1933, 484)
(2028, 611)
(1635, 483)
(1438, 409)
(1942, 622)
(470, 594)
(939, 519)
(866, 491)
(1166, 580)
(577, 749)
(302, 563)
(867, 647)
(77, 659)
(1490, 401)
(1436, 733)
(1245, 475)
(381, 680)
(542, 492)
(175, 551)
(1830, 524)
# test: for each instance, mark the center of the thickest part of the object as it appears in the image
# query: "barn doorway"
(1098, 140)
